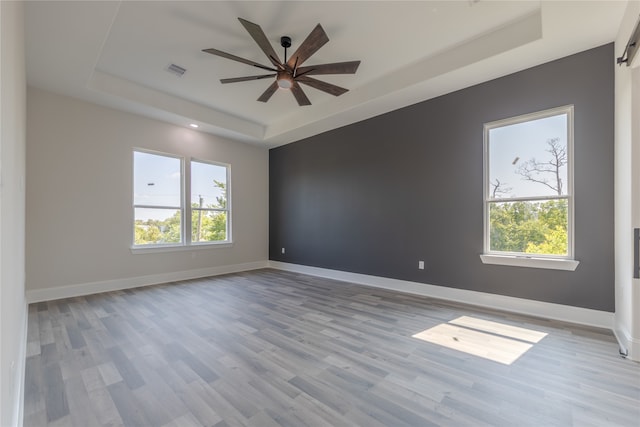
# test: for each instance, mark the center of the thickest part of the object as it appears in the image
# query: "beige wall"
(79, 196)
(13, 311)
(627, 190)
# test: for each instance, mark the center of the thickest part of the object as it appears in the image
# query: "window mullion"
(156, 207)
(186, 201)
(210, 209)
(528, 199)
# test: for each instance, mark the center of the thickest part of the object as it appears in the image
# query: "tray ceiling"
(116, 54)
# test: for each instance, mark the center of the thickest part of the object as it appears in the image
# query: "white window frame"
(516, 259)
(186, 242)
(227, 210)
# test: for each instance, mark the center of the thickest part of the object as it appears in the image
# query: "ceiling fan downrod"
(285, 42)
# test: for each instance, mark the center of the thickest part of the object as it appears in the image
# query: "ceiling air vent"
(176, 70)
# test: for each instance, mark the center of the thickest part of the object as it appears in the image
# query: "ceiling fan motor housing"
(285, 41)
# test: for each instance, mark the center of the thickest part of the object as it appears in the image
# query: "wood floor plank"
(129, 409)
(38, 418)
(127, 371)
(268, 348)
(80, 407)
(104, 407)
(54, 393)
(34, 387)
(262, 419)
(207, 406)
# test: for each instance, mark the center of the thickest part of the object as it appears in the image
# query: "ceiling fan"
(290, 72)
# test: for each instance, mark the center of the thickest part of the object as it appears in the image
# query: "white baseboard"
(582, 316)
(81, 289)
(19, 375)
(628, 344)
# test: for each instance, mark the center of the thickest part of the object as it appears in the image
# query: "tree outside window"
(528, 197)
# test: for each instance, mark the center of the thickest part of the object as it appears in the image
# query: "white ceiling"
(115, 54)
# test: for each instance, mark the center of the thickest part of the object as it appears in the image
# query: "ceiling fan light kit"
(290, 73)
(285, 81)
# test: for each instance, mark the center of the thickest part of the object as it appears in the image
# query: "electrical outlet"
(421, 265)
(282, 250)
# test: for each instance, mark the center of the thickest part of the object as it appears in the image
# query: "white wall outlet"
(282, 250)
(421, 265)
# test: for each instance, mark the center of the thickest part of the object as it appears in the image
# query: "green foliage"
(221, 201)
(212, 225)
(206, 225)
(533, 227)
(153, 231)
(555, 243)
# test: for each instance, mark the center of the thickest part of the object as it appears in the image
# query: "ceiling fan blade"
(267, 93)
(314, 41)
(258, 35)
(297, 91)
(237, 58)
(246, 79)
(323, 86)
(336, 68)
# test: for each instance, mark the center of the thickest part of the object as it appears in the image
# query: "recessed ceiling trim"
(330, 115)
(107, 83)
(62, 40)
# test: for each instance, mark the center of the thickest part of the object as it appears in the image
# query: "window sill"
(178, 248)
(530, 262)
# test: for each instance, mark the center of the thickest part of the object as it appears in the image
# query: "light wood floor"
(270, 348)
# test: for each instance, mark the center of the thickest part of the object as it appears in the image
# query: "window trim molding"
(530, 262)
(152, 249)
(228, 210)
(133, 196)
(556, 262)
(185, 209)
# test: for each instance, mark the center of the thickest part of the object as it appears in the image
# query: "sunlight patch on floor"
(495, 341)
(503, 329)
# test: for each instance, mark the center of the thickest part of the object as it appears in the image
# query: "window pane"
(156, 180)
(208, 226)
(532, 227)
(529, 159)
(208, 186)
(157, 226)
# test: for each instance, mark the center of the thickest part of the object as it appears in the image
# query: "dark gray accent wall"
(377, 196)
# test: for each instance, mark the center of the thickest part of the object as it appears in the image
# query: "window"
(528, 189)
(209, 208)
(157, 199)
(177, 203)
